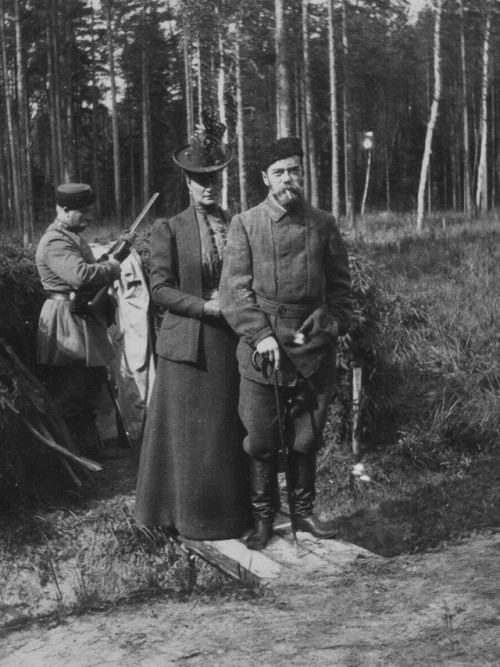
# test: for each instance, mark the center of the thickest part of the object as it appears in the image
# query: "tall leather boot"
(262, 486)
(303, 481)
(84, 432)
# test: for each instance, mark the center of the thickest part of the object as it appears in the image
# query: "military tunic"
(65, 262)
(281, 268)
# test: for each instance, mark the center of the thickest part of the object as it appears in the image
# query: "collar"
(276, 212)
(61, 226)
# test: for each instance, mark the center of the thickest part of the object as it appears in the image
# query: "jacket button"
(281, 310)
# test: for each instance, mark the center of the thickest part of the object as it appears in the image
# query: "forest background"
(103, 91)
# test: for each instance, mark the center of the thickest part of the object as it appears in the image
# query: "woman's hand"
(212, 308)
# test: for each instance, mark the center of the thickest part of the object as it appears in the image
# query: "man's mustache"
(291, 190)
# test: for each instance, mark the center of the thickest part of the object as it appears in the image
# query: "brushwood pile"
(21, 297)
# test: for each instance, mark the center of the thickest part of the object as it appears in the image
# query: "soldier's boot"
(303, 482)
(84, 432)
(262, 498)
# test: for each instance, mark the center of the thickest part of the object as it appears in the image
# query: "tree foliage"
(166, 51)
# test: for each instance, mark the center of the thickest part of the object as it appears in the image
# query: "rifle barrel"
(144, 211)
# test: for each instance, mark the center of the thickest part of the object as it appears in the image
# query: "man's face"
(285, 180)
(80, 218)
(204, 188)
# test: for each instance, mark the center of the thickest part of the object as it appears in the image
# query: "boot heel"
(260, 536)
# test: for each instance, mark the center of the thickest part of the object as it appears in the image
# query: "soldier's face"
(81, 218)
(204, 188)
(285, 180)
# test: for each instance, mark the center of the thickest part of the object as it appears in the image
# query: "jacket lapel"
(189, 252)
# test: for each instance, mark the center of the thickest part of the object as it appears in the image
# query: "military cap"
(278, 150)
(74, 196)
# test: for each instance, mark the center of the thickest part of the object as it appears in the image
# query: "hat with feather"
(205, 153)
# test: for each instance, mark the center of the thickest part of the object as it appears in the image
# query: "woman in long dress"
(192, 473)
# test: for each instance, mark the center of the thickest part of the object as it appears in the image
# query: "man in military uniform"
(286, 291)
(73, 348)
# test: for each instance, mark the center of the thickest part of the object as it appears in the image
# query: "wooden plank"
(233, 558)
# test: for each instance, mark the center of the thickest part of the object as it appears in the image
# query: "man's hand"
(319, 322)
(212, 308)
(269, 349)
(128, 237)
(115, 267)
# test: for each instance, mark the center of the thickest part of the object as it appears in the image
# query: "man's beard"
(289, 197)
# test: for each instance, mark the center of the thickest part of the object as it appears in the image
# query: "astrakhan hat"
(205, 153)
(74, 196)
(278, 150)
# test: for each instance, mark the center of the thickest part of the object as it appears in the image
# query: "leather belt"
(58, 296)
(291, 310)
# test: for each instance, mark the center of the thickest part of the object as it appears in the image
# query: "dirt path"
(441, 608)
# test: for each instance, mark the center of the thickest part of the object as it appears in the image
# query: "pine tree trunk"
(56, 89)
(69, 143)
(11, 131)
(350, 213)
(146, 131)
(187, 75)
(333, 112)
(24, 135)
(240, 127)
(433, 115)
(301, 111)
(311, 141)
(96, 181)
(51, 98)
(114, 115)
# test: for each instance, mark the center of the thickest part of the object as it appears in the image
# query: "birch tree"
(283, 86)
(482, 173)
(438, 8)
(240, 126)
(188, 85)
(465, 116)
(114, 112)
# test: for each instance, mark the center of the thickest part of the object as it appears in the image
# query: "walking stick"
(268, 370)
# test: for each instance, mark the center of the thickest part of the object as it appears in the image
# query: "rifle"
(121, 427)
(120, 251)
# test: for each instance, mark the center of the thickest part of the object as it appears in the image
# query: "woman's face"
(204, 188)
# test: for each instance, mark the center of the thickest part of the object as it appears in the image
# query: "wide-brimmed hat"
(205, 152)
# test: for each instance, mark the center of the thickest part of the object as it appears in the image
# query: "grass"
(431, 421)
(426, 332)
(73, 554)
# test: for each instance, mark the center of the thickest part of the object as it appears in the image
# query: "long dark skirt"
(193, 472)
